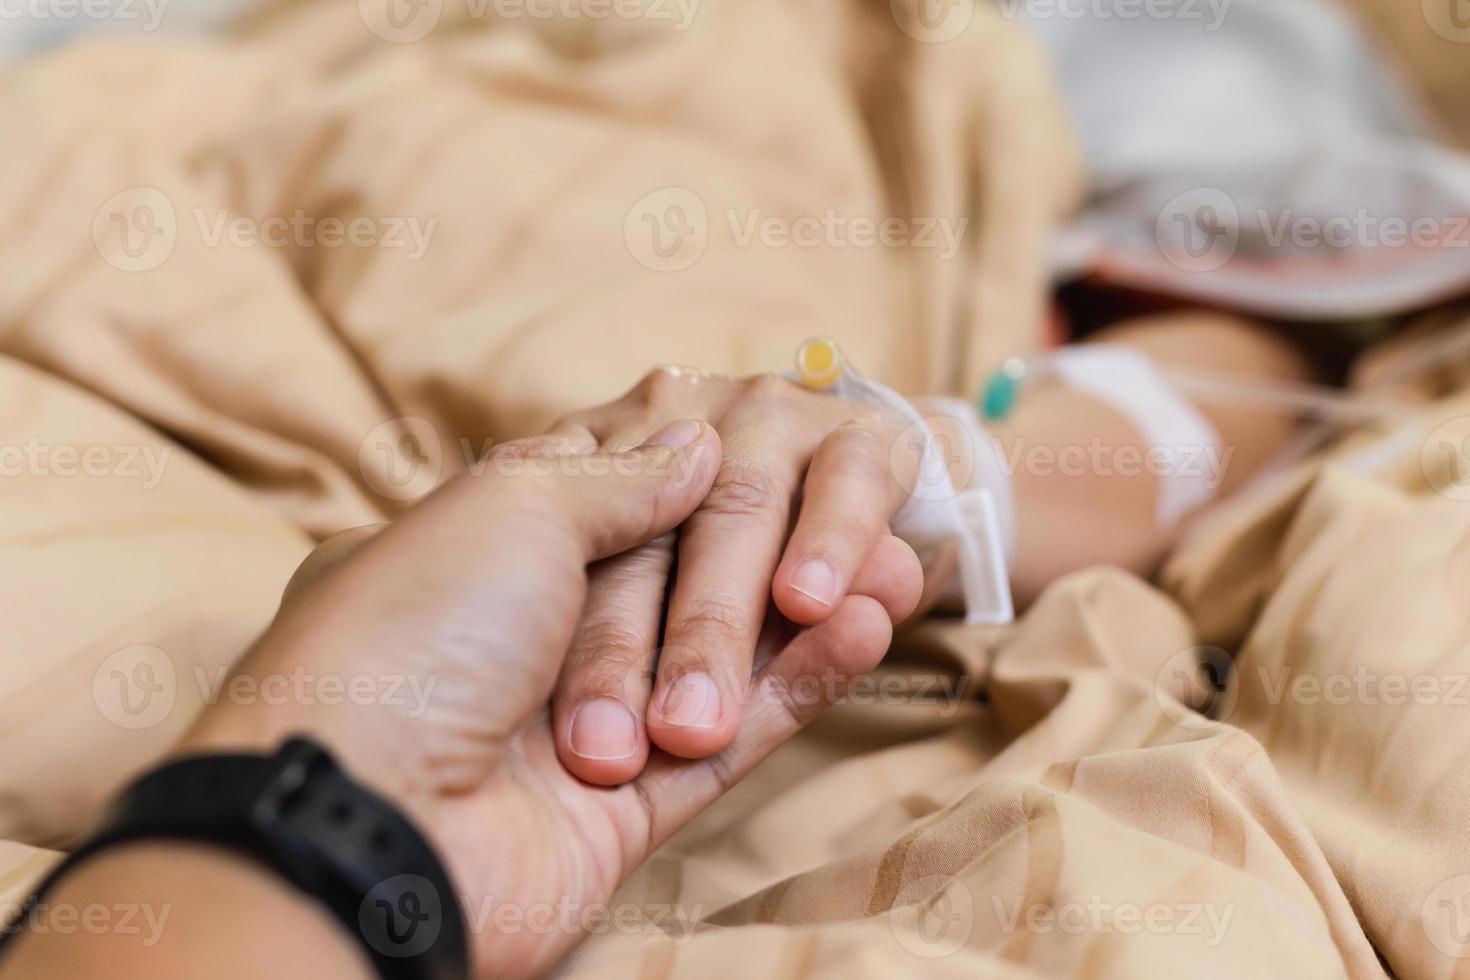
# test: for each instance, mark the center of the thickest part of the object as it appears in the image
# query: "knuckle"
(769, 385)
(856, 439)
(611, 640)
(651, 559)
(859, 451)
(744, 489)
(624, 678)
(537, 447)
(716, 619)
(661, 387)
(580, 419)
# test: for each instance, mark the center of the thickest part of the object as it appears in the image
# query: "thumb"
(554, 508)
(647, 492)
(610, 502)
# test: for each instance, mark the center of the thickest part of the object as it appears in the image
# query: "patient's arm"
(1069, 521)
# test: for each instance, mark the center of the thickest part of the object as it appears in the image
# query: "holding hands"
(546, 584)
(794, 522)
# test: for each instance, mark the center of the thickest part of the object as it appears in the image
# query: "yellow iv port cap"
(819, 363)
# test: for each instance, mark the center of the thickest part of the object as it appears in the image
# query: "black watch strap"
(299, 814)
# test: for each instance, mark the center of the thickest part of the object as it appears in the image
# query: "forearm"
(1106, 513)
(162, 910)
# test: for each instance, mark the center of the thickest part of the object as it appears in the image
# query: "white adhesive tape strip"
(937, 512)
(1169, 424)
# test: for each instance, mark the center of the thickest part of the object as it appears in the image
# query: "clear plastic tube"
(1317, 401)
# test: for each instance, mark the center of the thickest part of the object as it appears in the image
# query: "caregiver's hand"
(788, 453)
(479, 590)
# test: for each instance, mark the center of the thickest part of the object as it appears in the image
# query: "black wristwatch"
(299, 814)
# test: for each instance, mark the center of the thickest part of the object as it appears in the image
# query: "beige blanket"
(555, 206)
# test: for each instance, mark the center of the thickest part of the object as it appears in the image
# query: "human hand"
(480, 588)
(633, 674)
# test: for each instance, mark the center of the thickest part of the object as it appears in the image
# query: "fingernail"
(603, 730)
(816, 580)
(692, 701)
(675, 435)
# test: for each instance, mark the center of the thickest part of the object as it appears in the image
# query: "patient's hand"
(789, 454)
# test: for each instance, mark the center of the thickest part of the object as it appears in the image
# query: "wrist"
(163, 909)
